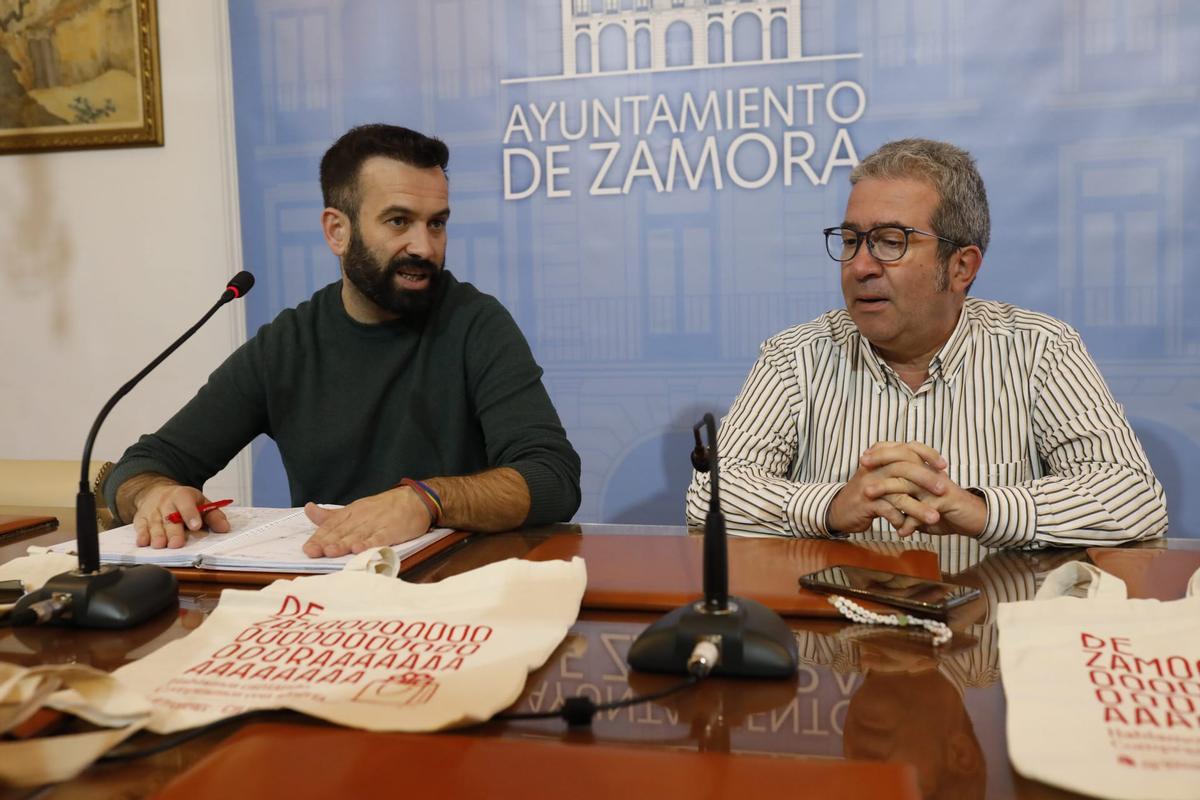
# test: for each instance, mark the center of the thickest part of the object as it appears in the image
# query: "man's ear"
(964, 266)
(336, 227)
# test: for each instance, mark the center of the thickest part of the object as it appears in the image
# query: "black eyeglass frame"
(866, 236)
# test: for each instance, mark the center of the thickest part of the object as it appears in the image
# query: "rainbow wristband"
(434, 496)
(429, 498)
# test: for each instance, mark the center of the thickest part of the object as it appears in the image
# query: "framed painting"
(79, 73)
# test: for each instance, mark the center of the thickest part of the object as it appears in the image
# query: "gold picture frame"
(79, 74)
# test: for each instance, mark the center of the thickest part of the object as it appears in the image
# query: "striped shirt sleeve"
(1098, 487)
(757, 447)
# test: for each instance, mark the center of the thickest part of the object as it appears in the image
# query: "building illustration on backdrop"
(1122, 197)
(614, 37)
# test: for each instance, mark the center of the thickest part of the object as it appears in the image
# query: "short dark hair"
(962, 209)
(341, 163)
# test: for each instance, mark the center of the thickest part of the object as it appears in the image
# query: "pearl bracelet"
(855, 613)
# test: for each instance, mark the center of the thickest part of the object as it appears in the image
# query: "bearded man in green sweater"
(408, 397)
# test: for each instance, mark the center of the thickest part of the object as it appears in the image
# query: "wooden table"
(859, 692)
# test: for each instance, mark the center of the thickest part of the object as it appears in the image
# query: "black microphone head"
(700, 453)
(240, 284)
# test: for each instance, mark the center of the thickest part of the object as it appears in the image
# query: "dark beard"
(377, 282)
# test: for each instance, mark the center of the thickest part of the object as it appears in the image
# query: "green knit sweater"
(354, 408)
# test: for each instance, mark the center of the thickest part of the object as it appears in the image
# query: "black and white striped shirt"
(1013, 402)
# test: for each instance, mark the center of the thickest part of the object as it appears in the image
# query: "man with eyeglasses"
(920, 409)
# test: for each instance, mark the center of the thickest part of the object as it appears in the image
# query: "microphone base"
(755, 641)
(112, 597)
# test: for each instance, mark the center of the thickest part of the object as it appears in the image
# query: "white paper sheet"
(259, 540)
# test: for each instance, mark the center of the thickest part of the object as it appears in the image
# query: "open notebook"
(259, 540)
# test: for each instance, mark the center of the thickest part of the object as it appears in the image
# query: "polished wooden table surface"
(860, 692)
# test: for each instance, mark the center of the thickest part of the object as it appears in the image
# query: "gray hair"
(962, 209)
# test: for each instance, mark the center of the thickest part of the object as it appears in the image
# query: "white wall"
(108, 255)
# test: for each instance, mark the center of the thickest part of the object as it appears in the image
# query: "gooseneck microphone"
(716, 556)
(752, 640)
(95, 596)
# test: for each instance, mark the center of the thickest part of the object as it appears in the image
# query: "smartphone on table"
(921, 596)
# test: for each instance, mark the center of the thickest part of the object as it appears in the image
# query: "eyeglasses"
(885, 242)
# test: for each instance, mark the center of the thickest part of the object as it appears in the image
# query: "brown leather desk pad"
(21, 523)
(659, 573)
(280, 760)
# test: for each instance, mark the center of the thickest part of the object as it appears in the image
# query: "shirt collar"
(950, 358)
(945, 365)
(875, 365)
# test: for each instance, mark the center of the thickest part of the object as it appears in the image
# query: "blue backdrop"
(643, 184)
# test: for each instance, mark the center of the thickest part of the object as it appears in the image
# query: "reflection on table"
(860, 692)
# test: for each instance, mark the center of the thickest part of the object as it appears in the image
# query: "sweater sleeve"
(202, 437)
(521, 429)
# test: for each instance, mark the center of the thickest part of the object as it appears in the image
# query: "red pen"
(174, 515)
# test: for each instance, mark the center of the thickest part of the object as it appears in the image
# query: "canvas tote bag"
(1103, 692)
(76, 689)
(364, 650)
(356, 648)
